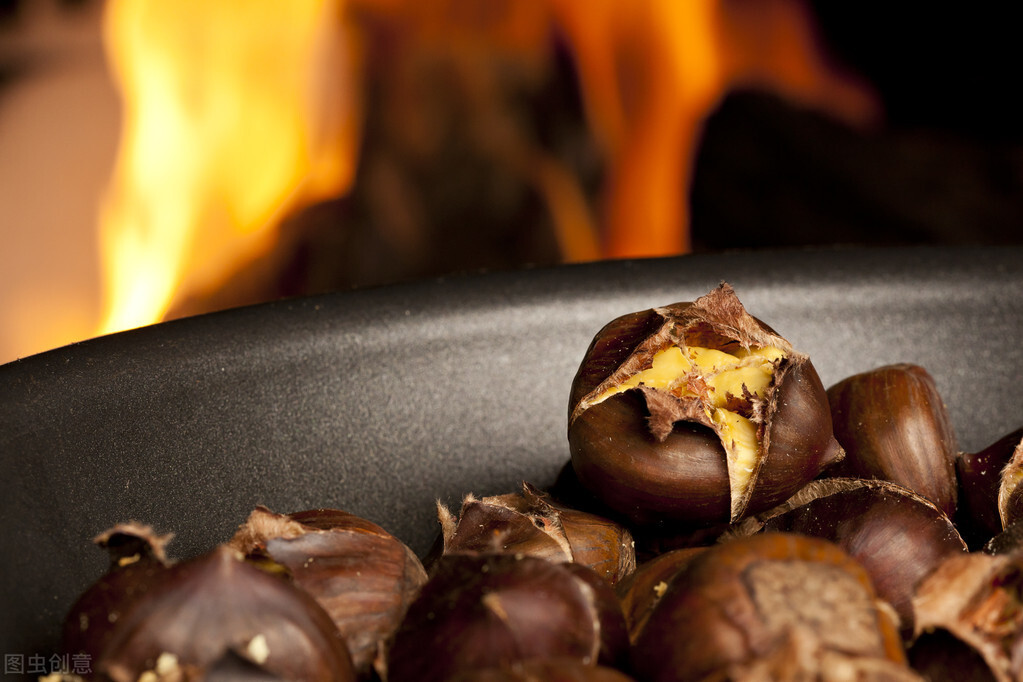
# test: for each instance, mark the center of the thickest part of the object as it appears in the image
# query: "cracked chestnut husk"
(697, 412)
(530, 523)
(775, 606)
(482, 611)
(991, 498)
(973, 602)
(361, 575)
(177, 621)
(898, 537)
(893, 426)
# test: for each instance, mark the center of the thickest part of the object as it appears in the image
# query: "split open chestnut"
(697, 412)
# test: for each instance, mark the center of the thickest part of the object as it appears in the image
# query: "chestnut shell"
(717, 616)
(201, 609)
(898, 536)
(894, 426)
(684, 476)
(482, 611)
(362, 576)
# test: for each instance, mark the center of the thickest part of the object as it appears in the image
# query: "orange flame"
(236, 115)
(233, 114)
(653, 71)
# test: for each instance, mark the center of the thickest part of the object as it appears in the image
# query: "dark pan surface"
(381, 401)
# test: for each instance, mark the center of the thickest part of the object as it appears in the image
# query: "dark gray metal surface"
(381, 401)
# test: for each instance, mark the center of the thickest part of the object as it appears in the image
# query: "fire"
(653, 71)
(234, 113)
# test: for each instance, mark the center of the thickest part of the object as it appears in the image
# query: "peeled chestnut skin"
(481, 611)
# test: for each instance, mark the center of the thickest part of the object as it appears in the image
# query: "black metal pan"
(381, 401)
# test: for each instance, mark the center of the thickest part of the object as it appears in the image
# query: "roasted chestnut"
(361, 575)
(530, 523)
(775, 606)
(697, 412)
(481, 611)
(893, 426)
(898, 537)
(181, 620)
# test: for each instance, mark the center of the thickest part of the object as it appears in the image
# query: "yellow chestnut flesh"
(720, 380)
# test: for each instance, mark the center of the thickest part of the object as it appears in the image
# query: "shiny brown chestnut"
(531, 523)
(187, 617)
(898, 537)
(893, 426)
(361, 575)
(482, 611)
(696, 412)
(775, 606)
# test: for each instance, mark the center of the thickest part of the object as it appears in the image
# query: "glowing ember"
(235, 112)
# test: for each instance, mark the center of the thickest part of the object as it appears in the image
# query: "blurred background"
(169, 159)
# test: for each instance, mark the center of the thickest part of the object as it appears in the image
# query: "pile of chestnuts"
(722, 516)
